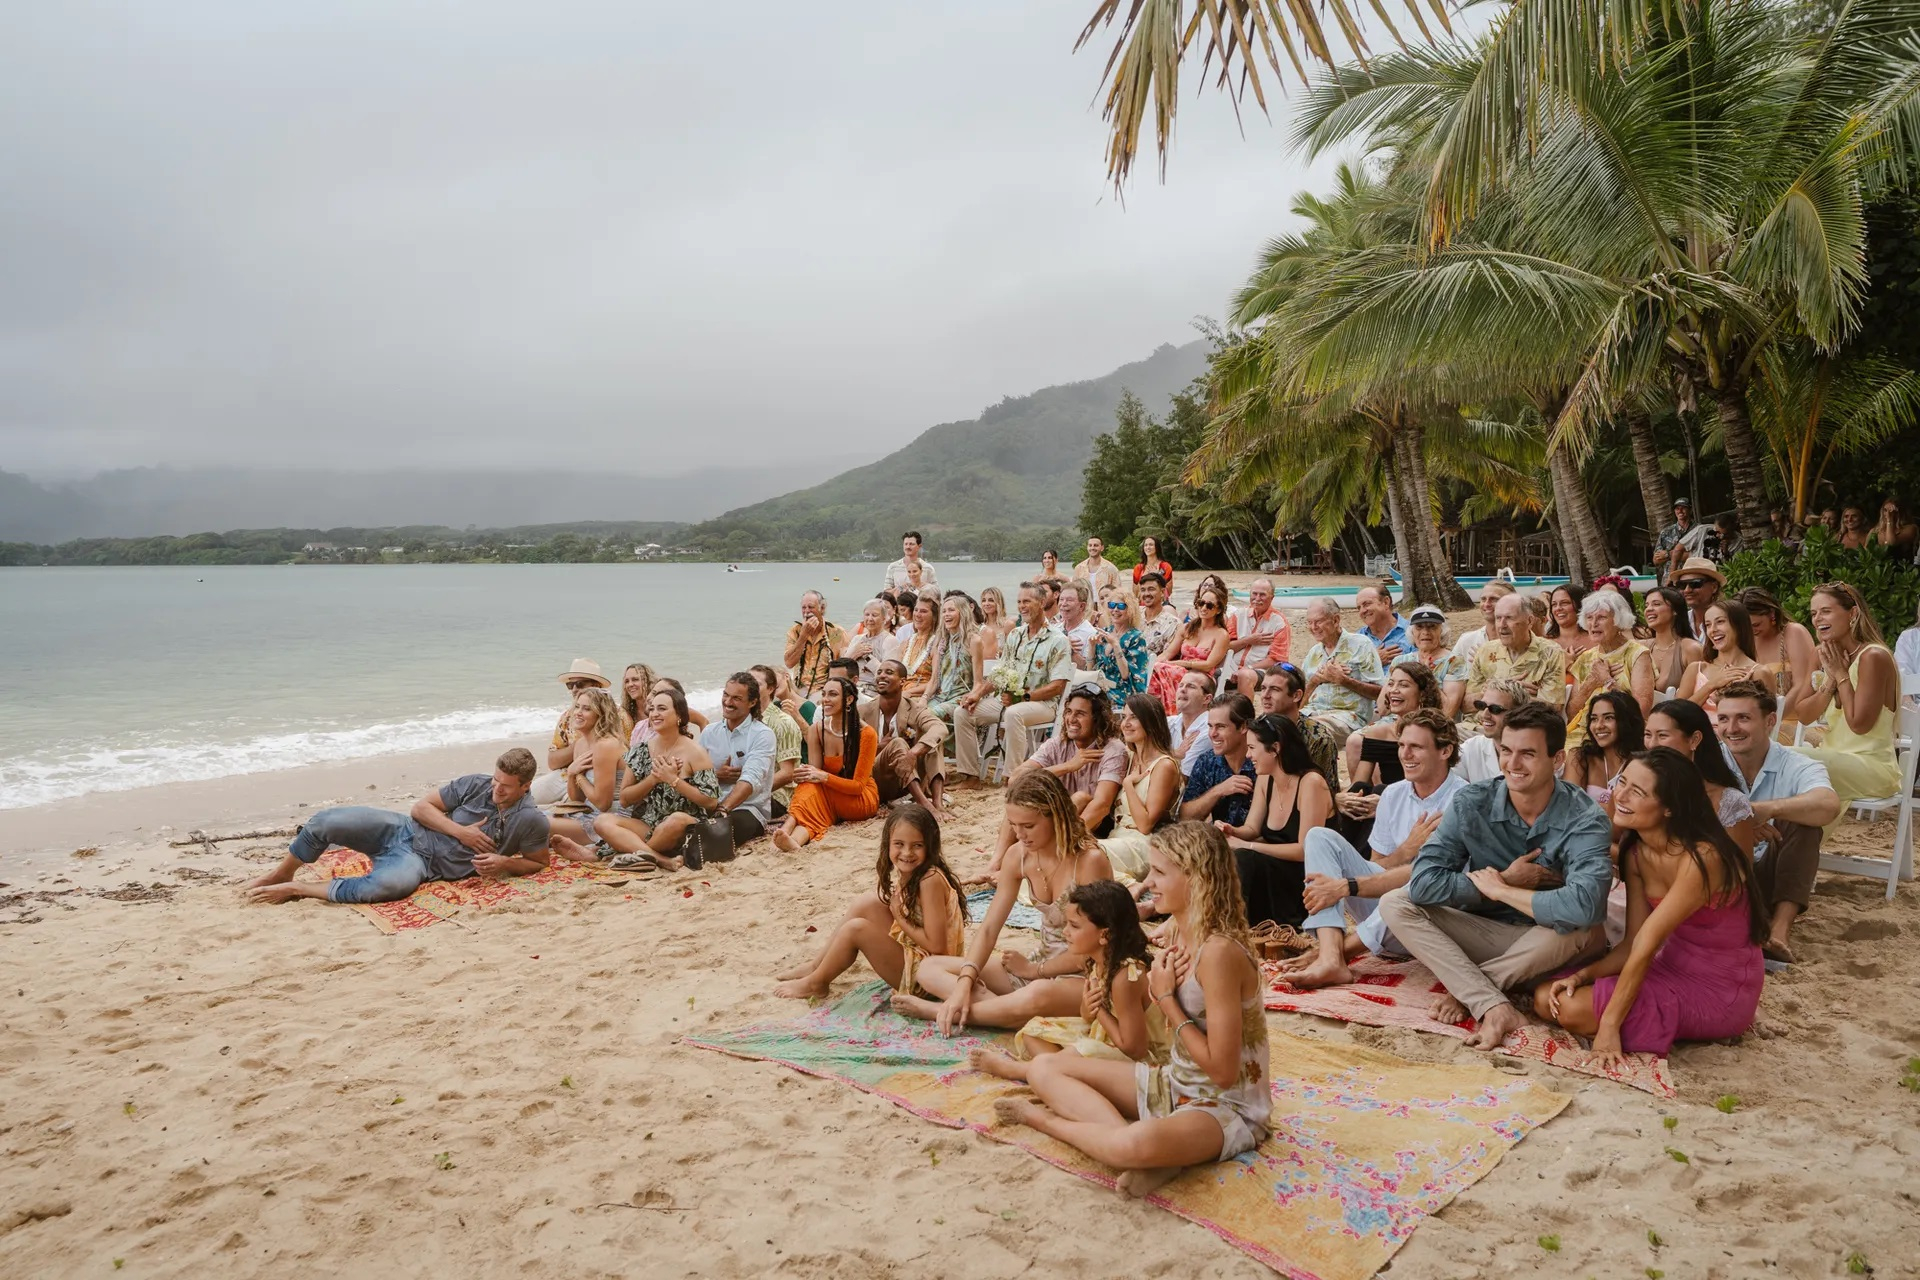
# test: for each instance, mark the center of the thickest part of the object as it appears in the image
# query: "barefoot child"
(1103, 930)
(915, 912)
(1210, 1101)
(1053, 853)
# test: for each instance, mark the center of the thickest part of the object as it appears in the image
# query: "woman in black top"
(1290, 798)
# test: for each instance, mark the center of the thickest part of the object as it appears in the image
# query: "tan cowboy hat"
(1702, 566)
(585, 669)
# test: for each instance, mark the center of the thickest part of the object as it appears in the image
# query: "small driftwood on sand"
(207, 842)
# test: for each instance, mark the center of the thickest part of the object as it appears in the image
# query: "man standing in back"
(1096, 570)
(910, 572)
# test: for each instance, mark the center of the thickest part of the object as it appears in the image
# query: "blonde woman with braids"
(956, 656)
(996, 624)
(1211, 1100)
(984, 990)
(1857, 689)
(599, 762)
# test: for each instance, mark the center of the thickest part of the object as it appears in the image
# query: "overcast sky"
(638, 234)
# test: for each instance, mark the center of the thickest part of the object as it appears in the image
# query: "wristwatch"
(1353, 887)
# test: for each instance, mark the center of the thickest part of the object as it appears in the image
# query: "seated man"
(1075, 600)
(1220, 788)
(1343, 669)
(743, 750)
(1035, 665)
(1409, 812)
(812, 643)
(1096, 570)
(1514, 651)
(1258, 630)
(909, 761)
(1187, 727)
(779, 712)
(1380, 624)
(1513, 884)
(1158, 619)
(1283, 693)
(551, 787)
(1790, 793)
(1088, 757)
(475, 825)
(1479, 756)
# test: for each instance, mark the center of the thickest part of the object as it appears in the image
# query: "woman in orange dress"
(842, 789)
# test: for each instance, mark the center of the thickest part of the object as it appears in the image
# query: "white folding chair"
(1899, 864)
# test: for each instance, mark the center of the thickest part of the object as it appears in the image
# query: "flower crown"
(1615, 581)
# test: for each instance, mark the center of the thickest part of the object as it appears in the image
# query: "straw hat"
(585, 669)
(1702, 566)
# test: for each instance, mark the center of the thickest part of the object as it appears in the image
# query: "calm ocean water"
(112, 679)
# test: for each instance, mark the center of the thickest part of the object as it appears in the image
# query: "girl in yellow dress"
(1859, 696)
(914, 913)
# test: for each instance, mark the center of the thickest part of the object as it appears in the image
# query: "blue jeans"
(384, 836)
(1329, 854)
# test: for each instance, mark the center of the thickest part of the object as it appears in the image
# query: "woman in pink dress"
(1199, 644)
(1689, 967)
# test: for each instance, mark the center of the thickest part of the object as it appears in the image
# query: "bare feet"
(1318, 973)
(996, 1063)
(784, 842)
(800, 970)
(1448, 1010)
(912, 1006)
(801, 988)
(1500, 1022)
(1144, 1182)
(572, 850)
(286, 891)
(1776, 948)
(1015, 1110)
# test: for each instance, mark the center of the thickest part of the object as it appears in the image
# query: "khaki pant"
(1787, 871)
(893, 768)
(1016, 722)
(1478, 958)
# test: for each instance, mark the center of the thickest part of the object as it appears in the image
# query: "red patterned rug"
(438, 901)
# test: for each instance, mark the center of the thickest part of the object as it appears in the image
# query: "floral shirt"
(1363, 663)
(787, 744)
(810, 672)
(1031, 659)
(1160, 630)
(1133, 646)
(1541, 667)
(1449, 666)
(1622, 660)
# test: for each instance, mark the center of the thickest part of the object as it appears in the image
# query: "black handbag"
(711, 841)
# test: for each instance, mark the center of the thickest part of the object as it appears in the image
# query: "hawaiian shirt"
(811, 671)
(1363, 664)
(1133, 645)
(1541, 668)
(1029, 660)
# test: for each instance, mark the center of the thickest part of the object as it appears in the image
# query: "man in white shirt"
(1096, 570)
(910, 572)
(1188, 725)
(1470, 640)
(1409, 812)
(1074, 600)
(1479, 757)
(1254, 628)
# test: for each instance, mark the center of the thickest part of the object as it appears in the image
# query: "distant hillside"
(991, 486)
(151, 501)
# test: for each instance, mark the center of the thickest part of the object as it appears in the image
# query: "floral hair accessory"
(1615, 581)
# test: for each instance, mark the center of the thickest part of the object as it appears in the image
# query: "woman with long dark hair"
(1689, 967)
(1563, 619)
(1151, 562)
(1615, 731)
(1150, 791)
(841, 788)
(1270, 850)
(1686, 727)
(1199, 644)
(1670, 639)
(1727, 655)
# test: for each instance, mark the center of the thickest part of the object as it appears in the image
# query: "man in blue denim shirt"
(475, 825)
(1513, 884)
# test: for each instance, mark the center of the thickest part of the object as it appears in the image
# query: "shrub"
(1890, 587)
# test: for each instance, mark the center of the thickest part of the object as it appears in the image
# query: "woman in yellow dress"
(1859, 696)
(1613, 661)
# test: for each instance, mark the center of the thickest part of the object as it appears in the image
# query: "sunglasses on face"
(1692, 584)
(1116, 606)
(1491, 708)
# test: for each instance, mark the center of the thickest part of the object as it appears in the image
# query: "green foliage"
(1857, 1264)
(1677, 1156)
(1890, 587)
(1550, 1243)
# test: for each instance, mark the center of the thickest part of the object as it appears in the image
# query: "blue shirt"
(1482, 829)
(469, 799)
(749, 749)
(1785, 773)
(1209, 771)
(1396, 636)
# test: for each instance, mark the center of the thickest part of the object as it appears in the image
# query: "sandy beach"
(193, 1086)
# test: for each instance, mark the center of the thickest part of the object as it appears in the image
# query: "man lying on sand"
(474, 825)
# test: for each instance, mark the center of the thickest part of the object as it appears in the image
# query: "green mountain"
(1000, 486)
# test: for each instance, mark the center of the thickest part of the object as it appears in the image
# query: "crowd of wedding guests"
(1575, 812)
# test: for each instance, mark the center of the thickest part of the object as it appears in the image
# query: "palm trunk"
(1744, 465)
(1429, 575)
(1397, 514)
(1581, 528)
(1655, 496)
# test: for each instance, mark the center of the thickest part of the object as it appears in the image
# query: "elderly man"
(1283, 693)
(1791, 794)
(1075, 599)
(1676, 540)
(1701, 582)
(475, 825)
(1158, 619)
(910, 572)
(1220, 788)
(743, 749)
(551, 787)
(1469, 642)
(1096, 570)
(1343, 669)
(1516, 653)
(1512, 885)
(812, 643)
(1258, 629)
(909, 761)
(1380, 624)
(1035, 665)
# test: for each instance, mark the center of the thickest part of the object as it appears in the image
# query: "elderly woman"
(1428, 628)
(1612, 660)
(1120, 647)
(872, 641)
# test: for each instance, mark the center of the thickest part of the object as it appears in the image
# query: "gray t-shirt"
(469, 800)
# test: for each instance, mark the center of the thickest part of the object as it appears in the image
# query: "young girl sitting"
(1690, 966)
(1103, 933)
(1211, 1100)
(915, 913)
(1053, 852)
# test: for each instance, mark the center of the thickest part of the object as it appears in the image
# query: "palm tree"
(1810, 406)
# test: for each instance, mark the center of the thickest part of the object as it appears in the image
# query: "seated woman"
(1906, 649)
(1055, 853)
(643, 731)
(914, 912)
(841, 788)
(673, 787)
(1615, 731)
(996, 624)
(872, 641)
(1564, 607)
(1211, 1099)
(1373, 754)
(1783, 653)
(594, 777)
(1615, 660)
(1689, 967)
(1859, 695)
(1685, 727)
(913, 647)
(1120, 647)
(1728, 655)
(1199, 644)
(1671, 644)
(956, 657)
(1151, 788)
(1269, 850)
(1116, 1018)
(636, 682)
(1427, 627)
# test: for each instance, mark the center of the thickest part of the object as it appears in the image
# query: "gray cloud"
(407, 231)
